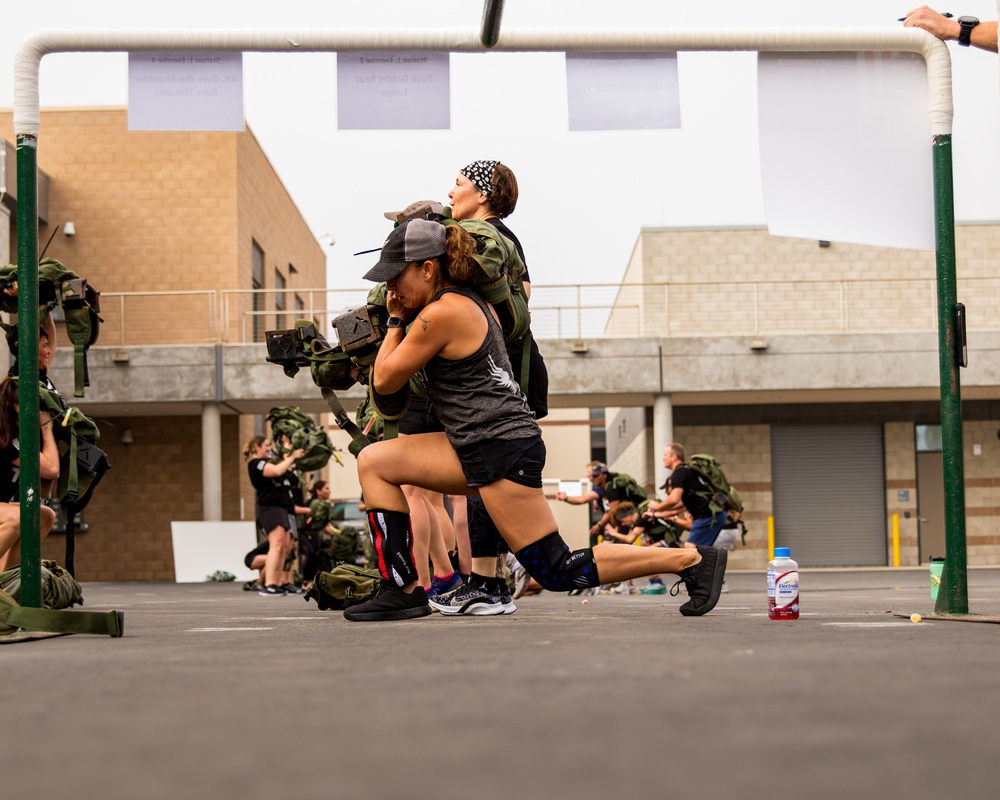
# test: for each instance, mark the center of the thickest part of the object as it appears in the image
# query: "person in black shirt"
(275, 502)
(686, 491)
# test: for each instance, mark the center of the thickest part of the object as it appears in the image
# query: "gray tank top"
(476, 398)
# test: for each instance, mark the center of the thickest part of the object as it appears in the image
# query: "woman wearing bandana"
(491, 445)
(487, 190)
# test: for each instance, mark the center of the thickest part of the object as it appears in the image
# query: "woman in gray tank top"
(491, 445)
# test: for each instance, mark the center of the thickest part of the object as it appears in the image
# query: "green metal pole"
(27, 362)
(953, 593)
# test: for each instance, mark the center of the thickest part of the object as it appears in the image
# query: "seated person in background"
(10, 471)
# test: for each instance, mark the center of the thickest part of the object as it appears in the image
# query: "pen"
(945, 14)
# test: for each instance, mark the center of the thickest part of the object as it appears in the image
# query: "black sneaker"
(273, 591)
(291, 588)
(703, 581)
(390, 602)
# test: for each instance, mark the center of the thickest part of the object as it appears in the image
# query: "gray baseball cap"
(412, 240)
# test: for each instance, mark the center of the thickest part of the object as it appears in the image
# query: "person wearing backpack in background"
(617, 487)
(686, 490)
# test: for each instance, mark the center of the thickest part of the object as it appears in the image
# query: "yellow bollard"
(770, 538)
(895, 540)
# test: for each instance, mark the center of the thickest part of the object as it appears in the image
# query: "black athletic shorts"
(270, 517)
(259, 550)
(419, 418)
(517, 460)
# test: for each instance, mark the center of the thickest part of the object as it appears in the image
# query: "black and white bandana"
(481, 175)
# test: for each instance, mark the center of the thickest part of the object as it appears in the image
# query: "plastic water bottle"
(782, 586)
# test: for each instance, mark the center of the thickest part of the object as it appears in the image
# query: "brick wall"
(152, 482)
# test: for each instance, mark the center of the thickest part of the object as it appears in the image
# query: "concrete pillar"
(211, 461)
(663, 434)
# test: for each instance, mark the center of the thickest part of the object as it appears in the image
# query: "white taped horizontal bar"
(28, 58)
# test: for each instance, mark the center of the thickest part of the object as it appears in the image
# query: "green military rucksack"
(79, 301)
(343, 586)
(719, 493)
(59, 588)
(634, 493)
(291, 423)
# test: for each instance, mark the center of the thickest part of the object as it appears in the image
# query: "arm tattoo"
(423, 322)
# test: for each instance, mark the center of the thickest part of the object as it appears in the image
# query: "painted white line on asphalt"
(872, 624)
(215, 630)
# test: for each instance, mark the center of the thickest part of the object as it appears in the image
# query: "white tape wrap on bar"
(27, 61)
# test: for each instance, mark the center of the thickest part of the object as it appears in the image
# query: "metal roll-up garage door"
(829, 494)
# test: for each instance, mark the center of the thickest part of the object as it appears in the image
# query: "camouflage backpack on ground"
(345, 585)
(59, 588)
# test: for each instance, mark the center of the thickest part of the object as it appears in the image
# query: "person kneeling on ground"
(491, 444)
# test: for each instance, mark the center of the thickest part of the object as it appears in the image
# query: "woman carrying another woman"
(491, 444)
(274, 504)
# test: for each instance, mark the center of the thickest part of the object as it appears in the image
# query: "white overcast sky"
(584, 196)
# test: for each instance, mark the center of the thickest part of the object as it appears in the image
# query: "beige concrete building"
(810, 370)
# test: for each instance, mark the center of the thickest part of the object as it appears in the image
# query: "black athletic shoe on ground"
(389, 603)
(272, 591)
(703, 581)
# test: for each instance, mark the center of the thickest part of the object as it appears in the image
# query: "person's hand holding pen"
(941, 25)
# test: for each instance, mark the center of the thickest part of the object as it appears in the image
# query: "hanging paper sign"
(393, 91)
(845, 148)
(622, 91)
(185, 91)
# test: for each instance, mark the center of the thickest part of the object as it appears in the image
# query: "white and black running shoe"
(471, 601)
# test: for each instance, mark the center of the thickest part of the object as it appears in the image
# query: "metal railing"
(572, 311)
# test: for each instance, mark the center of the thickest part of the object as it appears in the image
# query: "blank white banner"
(622, 91)
(845, 148)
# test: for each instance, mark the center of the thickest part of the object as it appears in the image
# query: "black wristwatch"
(965, 34)
(395, 322)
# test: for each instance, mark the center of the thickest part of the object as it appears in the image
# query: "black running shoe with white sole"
(471, 601)
(704, 581)
(390, 603)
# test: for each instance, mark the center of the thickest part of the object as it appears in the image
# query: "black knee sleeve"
(393, 539)
(485, 540)
(550, 562)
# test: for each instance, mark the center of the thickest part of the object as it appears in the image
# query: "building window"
(928, 438)
(257, 284)
(279, 299)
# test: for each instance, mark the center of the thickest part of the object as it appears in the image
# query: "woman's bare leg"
(524, 517)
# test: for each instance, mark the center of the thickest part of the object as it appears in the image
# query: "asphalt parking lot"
(218, 693)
